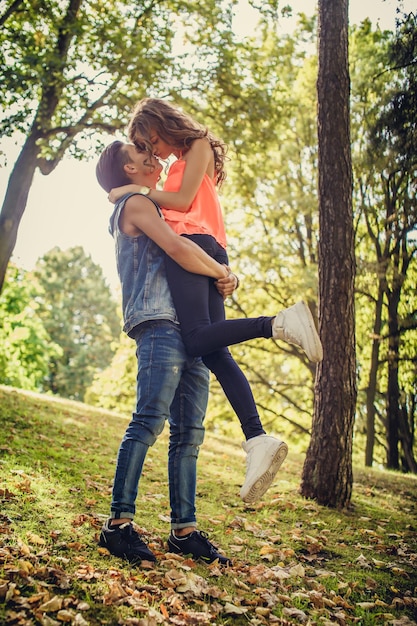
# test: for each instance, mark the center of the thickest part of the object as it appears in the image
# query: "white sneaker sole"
(264, 481)
(314, 349)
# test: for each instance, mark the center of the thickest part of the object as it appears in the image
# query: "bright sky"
(68, 208)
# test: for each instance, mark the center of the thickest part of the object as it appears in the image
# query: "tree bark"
(373, 377)
(393, 390)
(327, 473)
(398, 430)
(15, 200)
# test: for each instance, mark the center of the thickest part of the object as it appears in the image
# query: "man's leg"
(186, 436)
(159, 371)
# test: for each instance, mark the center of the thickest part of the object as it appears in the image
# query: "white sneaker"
(296, 325)
(265, 457)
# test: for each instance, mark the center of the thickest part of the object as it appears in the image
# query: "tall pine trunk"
(327, 473)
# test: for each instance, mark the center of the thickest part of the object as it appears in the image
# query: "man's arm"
(140, 216)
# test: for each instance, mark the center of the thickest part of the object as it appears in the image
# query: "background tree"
(114, 388)
(70, 69)
(394, 135)
(270, 202)
(80, 315)
(27, 348)
(327, 471)
(386, 217)
(258, 94)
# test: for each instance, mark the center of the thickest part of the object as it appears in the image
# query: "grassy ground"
(294, 561)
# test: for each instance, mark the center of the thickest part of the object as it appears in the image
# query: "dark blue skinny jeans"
(207, 333)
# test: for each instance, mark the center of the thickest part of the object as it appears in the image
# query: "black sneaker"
(198, 546)
(123, 541)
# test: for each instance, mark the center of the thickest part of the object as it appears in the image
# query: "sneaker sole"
(314, 349)
(204, 559)
(264, 482)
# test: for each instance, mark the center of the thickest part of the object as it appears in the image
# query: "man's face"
(148, 168)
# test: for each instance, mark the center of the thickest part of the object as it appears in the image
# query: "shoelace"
(132, 537)
(211, 547)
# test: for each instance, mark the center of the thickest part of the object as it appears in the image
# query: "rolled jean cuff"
(121, 515)
(183, 525)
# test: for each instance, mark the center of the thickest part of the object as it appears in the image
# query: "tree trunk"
(372, 383)
(15, 201)
(393, 391)
(409, 462)
(327, 473)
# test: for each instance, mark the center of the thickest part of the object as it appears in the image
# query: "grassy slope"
(294, 561)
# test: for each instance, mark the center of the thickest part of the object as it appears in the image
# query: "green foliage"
(386, 219)
(78, 62)
(115, 387)
(271, 209)
(259, 95)
(395, 131)
(293, 560)
(27, 348)
(80, 315)
(70, 69)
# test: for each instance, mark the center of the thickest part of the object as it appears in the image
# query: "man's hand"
(226, 286)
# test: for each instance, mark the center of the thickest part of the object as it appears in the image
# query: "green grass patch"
(294, 561)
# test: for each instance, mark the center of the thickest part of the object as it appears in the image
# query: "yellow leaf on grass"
(24, 549)
(267, 549)
(65, 616)
(399, 571)
(366, 605)
(33, 538)
(25, 566)
(297, 570)
(234, 610)
(263, 611)
(52, 606)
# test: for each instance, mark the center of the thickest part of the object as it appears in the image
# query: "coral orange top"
(204, 217)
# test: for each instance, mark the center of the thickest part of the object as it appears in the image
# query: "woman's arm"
(116, 193)
(198, 160)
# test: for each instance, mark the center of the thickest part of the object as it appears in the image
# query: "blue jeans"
(170, 386)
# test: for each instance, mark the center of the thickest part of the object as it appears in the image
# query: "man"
(170, 385)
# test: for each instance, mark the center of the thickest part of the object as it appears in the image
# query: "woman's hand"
(226, 286)
(118, 192)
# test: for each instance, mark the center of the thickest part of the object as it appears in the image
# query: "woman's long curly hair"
(175, 128)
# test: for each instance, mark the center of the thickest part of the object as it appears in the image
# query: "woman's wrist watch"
(145, 191)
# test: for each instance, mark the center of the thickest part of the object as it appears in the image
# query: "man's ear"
(130, 168)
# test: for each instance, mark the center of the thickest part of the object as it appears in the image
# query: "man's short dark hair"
(110, 167)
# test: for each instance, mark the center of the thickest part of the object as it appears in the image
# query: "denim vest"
(141, 268)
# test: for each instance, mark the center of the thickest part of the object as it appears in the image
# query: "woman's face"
(160, 148)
